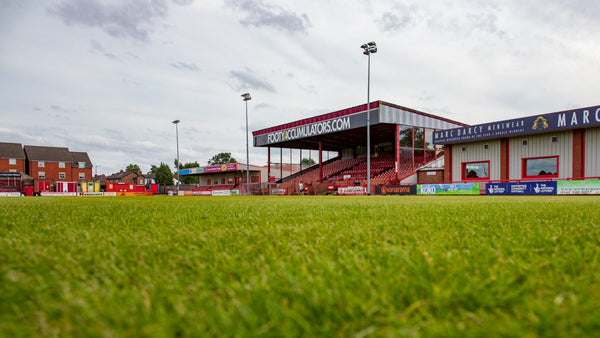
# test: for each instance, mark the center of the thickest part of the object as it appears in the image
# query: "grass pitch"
(300, 266)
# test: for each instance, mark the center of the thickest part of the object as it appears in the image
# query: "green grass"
(416, 266)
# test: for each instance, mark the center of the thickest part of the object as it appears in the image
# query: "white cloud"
(108, 77)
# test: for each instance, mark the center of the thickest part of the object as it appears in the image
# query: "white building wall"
(475, 152)
(542, 146)
(592, 152)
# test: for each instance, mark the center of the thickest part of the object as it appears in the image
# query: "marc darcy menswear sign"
(569, 119)
(329, 126)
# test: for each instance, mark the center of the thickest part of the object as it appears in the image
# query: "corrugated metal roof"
(11, 150)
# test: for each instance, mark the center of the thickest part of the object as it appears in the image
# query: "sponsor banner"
(522, 188)
(201, 193)
(10, 194)
(137, 193)
(280, 192)
(348, 191)
(221, 192)
(448, 189)
(584, 187)
(570, 119)
(318, 128)
(92, 194)
(396, 189)
(210, 169)
(50, 193)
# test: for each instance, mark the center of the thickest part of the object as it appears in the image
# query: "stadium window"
(41, 174)
(41, 164)
(476, 170)
(12, 161)
(62, 176)
(540, 167)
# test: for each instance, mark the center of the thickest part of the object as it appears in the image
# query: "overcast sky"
(109, 76)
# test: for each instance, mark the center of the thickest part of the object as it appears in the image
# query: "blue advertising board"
(522, 188)
(565, 120)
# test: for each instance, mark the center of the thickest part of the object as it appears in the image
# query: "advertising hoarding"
(448, 189)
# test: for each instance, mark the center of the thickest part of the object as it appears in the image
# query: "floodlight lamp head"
(372, 43)
(176, 121)
(246, 96)
(364, 46)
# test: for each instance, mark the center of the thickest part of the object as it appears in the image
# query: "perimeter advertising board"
(583, 187)
(396, 190)
(522, 188)
(565, 120)
(448, 189)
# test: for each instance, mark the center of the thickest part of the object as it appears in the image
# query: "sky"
(108, 77)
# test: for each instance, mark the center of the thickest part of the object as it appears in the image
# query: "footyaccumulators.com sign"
(334, 125)
(565, 120)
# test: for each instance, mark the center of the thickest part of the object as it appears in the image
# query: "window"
(524, 142)
(540, 167)
(81, 164)
(62, 176)
(12, 161)
(554, 139)
(463, 149)
(82, 176)
(486, 146)
(61, 164)
(41, 164)
(41, 174)
(476, 170)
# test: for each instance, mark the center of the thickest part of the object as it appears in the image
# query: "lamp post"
(176, 122)
(246, 97)
(369, 48)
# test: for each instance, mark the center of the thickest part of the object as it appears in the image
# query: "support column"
(578, 153)
(504, 160)
(320, 162)
(269, 163)
(448, 163)
(281, 163)
(397, 150)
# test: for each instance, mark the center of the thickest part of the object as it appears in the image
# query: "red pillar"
(269, 164)
(320, 162)
(578, 153)
(397, 150)
(448, 163)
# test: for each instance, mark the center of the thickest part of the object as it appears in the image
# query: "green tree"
(221, 158)
(308, 162)
(188, 179)
(133, 168)
(162, 174)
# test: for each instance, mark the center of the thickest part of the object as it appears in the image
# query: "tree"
(308, 162)
(133, 168)
(188, 179)
(162, 174)
(221, 158)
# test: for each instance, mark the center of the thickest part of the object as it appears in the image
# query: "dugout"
(401, 141)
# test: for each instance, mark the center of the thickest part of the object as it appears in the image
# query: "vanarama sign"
(571, 119)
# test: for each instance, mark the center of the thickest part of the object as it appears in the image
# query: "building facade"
(554, 146)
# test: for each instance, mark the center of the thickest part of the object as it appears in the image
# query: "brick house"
(12, 157)
(127, 177)
(81, 166)
(49, 164)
